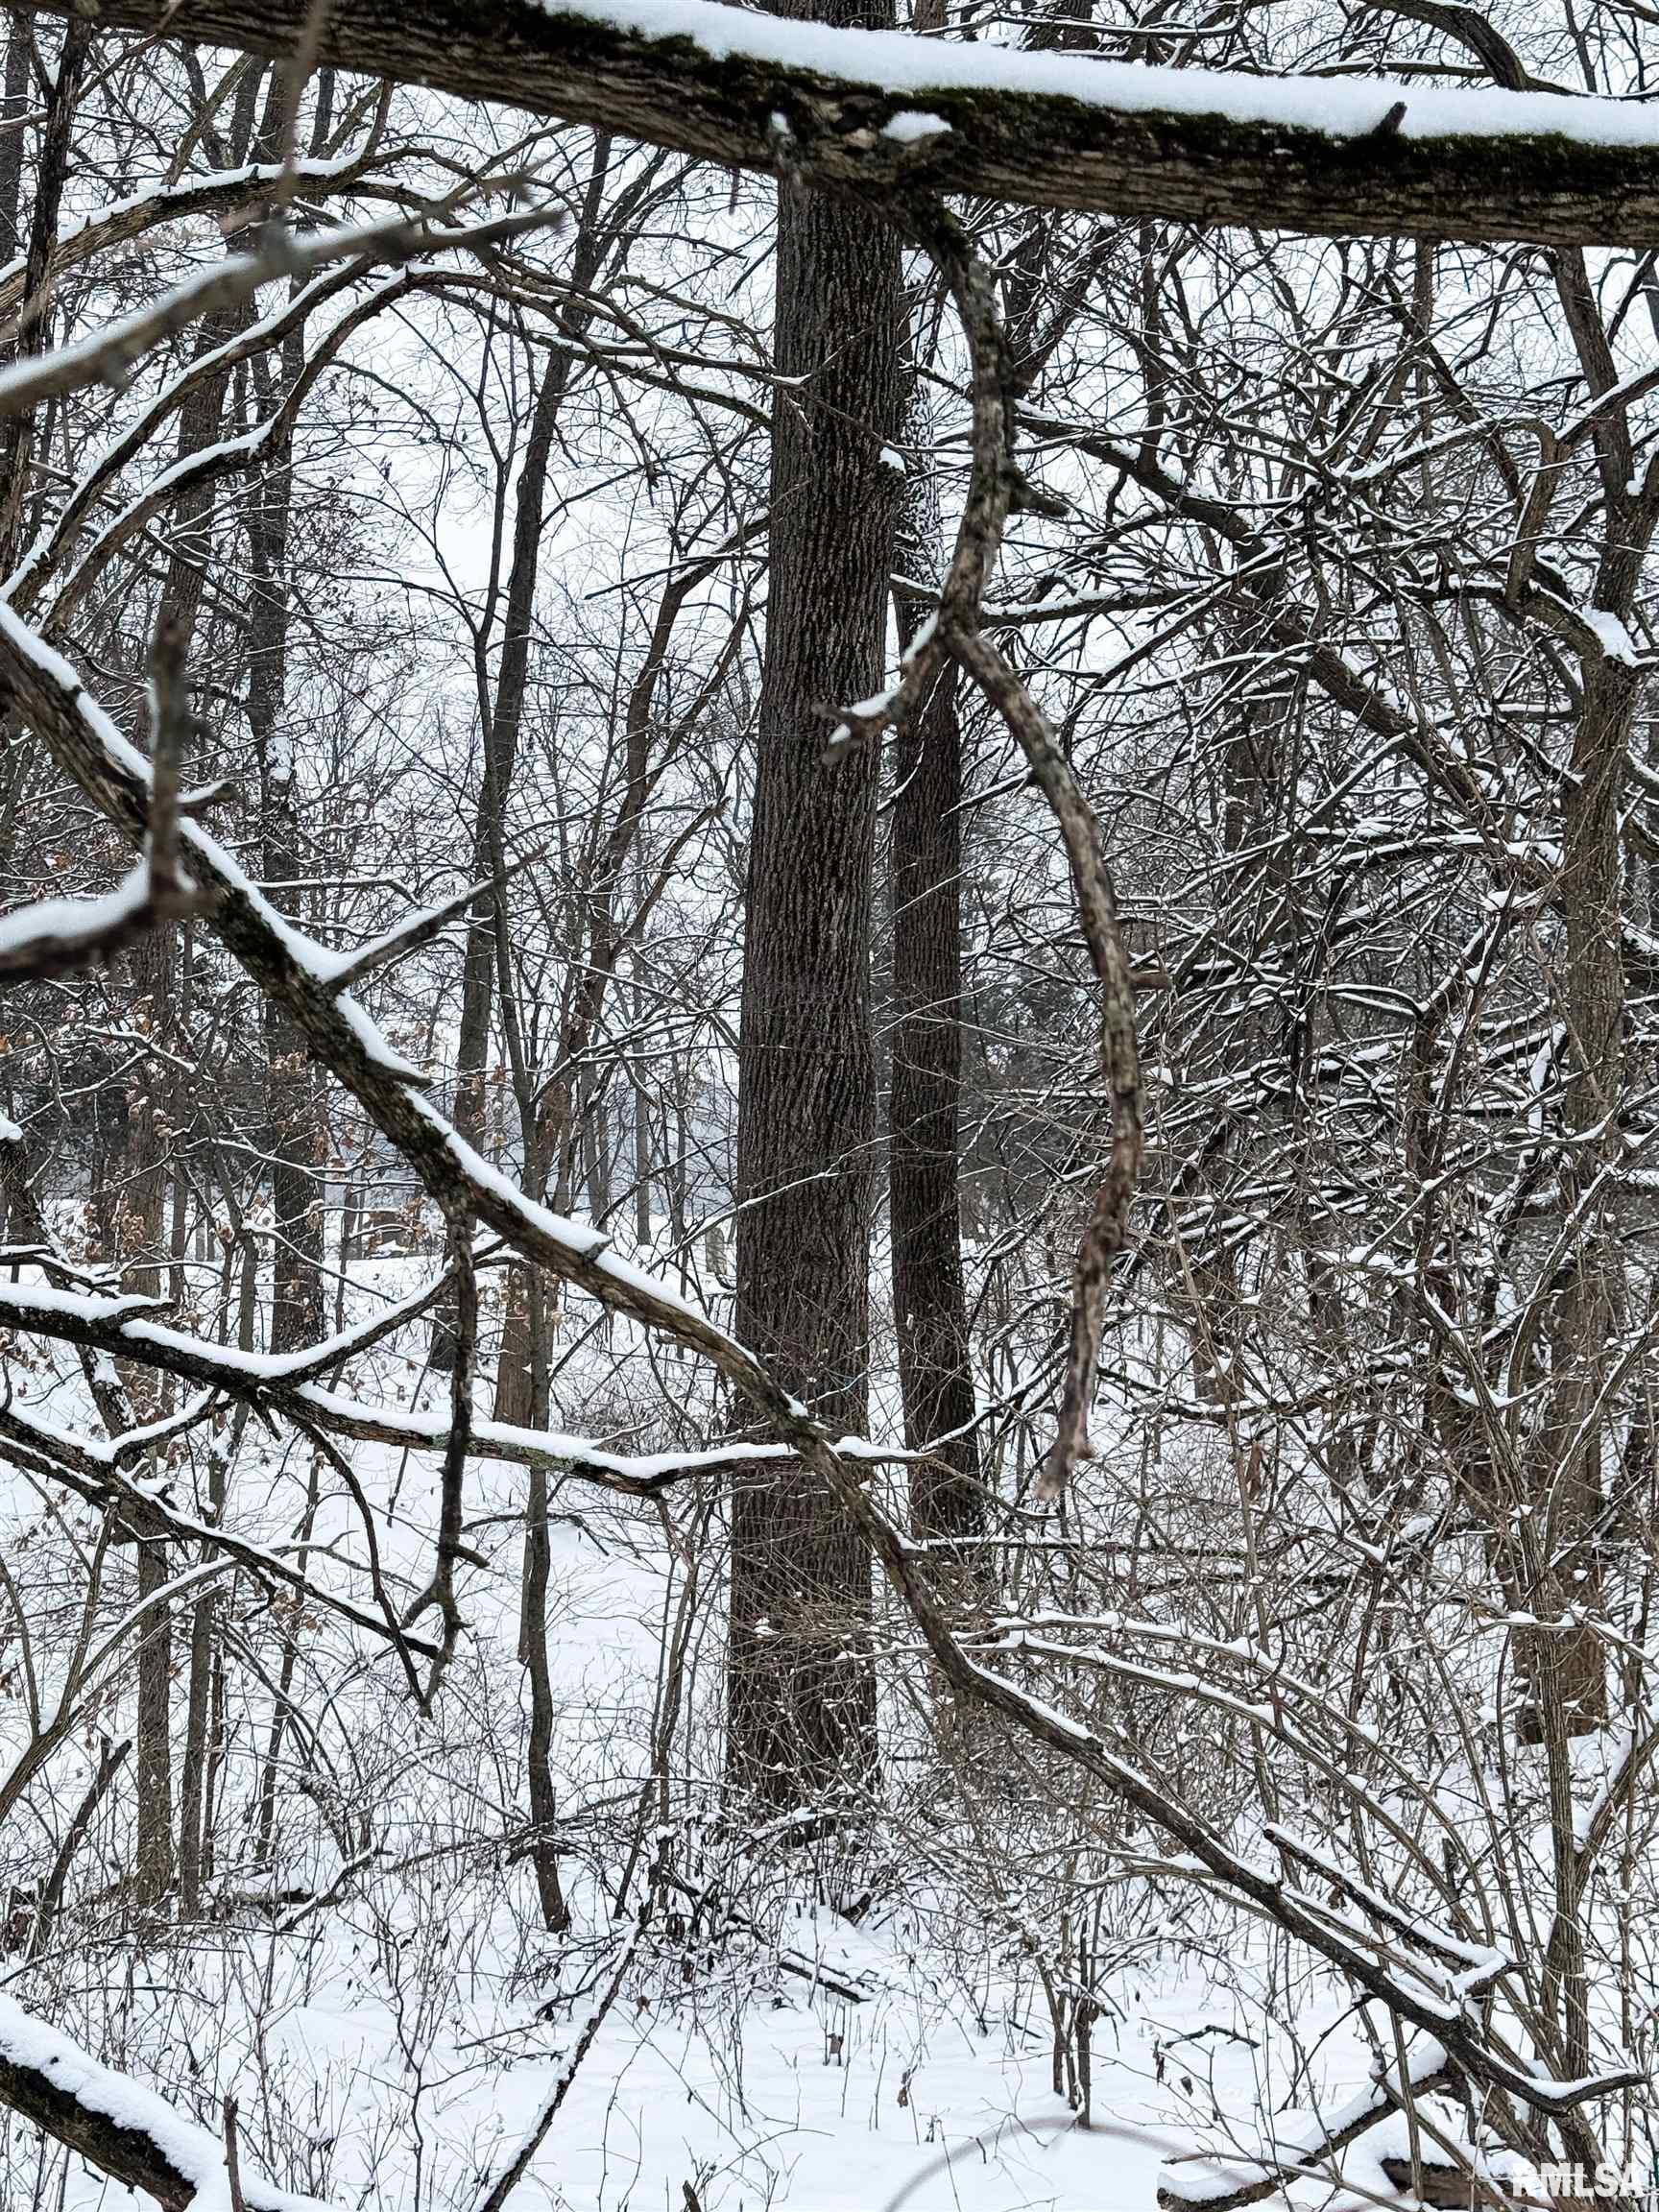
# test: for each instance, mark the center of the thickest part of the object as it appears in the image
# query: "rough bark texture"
(1565, 1672)
(925, 1200)
(1561, 1547)
(128, 2155)
(1036, 148)
(13, 107)
(153, 1867)
(800, 1718)
(124, 2147)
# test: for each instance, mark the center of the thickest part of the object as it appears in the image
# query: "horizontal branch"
(884, 113)
(56, 936)
(286, 1384)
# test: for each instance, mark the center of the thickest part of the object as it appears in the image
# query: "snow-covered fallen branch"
(118, 2126)
(1301, 2147)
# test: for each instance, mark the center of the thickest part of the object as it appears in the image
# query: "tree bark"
(1565, 1669)
(1092, 140)
(543, 1795)
(13, 107)
(1560, 1545)
(109, 2120)
(801, 1721)
(924, 1185)
(153, 1872)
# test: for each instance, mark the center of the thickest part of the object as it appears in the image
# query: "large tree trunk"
(1559, 1545)
(924, 1188)
(800, 1718)
(1561, 1535)
(1557, 1538)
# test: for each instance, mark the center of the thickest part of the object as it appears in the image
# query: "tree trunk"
(153, 1869)
(532, 1640)
(501, 755)
(1564, 1672)
(929, 1297)
(293, 1105)
(13, 107)
(800, 1720)
(19, 431)
(641, 1123)
(193, 1774)
(1560, 1545)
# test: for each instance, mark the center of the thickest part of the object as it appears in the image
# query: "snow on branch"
(219, 193)
(302, 977)
(106, 356)
(118, 2126)
(417, 930)
(127, 1328)
(1301, 2149)
(53, 936)
(881, 114)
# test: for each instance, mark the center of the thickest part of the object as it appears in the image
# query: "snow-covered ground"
(391, 2043)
